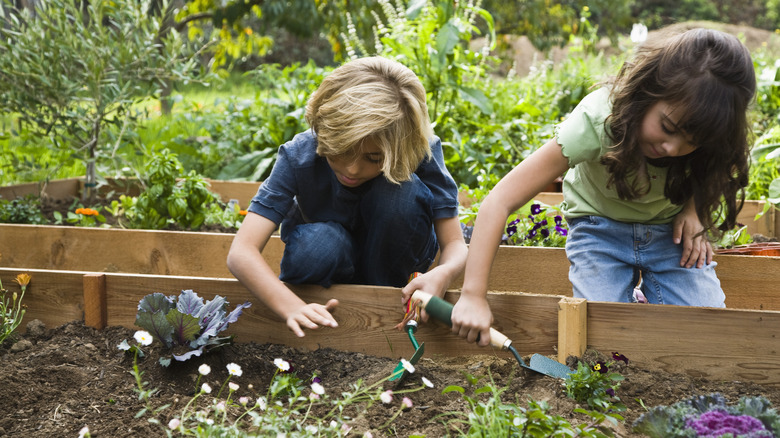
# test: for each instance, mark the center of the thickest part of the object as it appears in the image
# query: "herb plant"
(26, 210)
(185, 325)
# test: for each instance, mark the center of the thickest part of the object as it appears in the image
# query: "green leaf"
(185, 328)
(477, 98)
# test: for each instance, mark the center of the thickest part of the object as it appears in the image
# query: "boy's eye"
(374, 158)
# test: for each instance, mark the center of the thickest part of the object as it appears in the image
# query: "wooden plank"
(716, 344)
(95, 306)
(750, 282)
(62, 188)
(54, 297)
(572, 327)
(371, 311)
(117, 250)
(242, 191)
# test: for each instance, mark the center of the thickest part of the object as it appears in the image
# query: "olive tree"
(69, 69)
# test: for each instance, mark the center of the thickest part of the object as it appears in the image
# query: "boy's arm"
(687, 228)
(471, 316)
(247, 264)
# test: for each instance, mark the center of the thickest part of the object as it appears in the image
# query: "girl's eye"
(373, 159)
(667, 130)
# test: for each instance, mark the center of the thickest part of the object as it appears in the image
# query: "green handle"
(440, 309)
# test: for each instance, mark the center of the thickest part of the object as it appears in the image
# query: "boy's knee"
(317, 253)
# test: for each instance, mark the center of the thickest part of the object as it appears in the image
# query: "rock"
(36, 328)
(22, 345)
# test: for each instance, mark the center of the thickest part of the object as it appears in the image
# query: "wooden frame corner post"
(572, 327)
(95, 306)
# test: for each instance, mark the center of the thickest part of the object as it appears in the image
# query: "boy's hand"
(472, 318)
(697, 250)
(431, 282)
(311, 316)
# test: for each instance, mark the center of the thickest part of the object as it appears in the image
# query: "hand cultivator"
(410, 325)
(442, 310)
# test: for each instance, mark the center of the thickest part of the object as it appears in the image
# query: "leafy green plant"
(168, 198)
(185, 325)
(595, 385)
(710, 415)
(70, 70)
(11, 309)
(490, 416)
(26, 210)
(81, 217)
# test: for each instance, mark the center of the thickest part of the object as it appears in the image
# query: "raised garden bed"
(75, 376)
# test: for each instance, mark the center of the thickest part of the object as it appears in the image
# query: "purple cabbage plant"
(709, 416)
(186, 325)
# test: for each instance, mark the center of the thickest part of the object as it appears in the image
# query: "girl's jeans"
(607, 256)
(393, 238)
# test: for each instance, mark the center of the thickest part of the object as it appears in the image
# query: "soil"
(57, 380)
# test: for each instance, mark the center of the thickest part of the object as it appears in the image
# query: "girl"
(653, 163)
(363, 197)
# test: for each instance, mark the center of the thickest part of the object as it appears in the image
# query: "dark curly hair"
(709, 78)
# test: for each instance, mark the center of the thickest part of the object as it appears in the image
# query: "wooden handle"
(442, 310)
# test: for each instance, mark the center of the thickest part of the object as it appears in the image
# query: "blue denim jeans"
(393, 237)
(607, 257)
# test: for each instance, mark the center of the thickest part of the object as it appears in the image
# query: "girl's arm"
(247, 264)
(471, 316)
(687, 229)
(452, 259)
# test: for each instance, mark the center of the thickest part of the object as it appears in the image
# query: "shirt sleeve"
(276, 194)
(434, 174)
(582, 135)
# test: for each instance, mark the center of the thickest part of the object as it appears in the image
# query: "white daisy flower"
(282, 364)
(204, 369)
(407, 365)
(143, 337)
(234, 370)
(206, 388)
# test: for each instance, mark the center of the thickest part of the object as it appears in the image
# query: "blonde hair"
(373, 99)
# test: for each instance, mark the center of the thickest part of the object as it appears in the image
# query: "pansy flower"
(511, 229)
(601, 367)
(536, 209)
(619, 357)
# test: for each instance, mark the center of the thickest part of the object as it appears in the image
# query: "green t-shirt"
(584, 140)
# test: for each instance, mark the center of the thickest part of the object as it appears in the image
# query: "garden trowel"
(442, 310)
(411, 328)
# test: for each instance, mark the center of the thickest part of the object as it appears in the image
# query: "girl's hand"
(311, 316)
(472, 318)
(687, 229)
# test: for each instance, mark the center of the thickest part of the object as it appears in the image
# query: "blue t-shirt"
(303, 176)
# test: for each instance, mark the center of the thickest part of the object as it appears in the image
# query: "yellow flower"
(248, 30)
(23, 279)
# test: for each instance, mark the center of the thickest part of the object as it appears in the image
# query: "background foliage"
(61, 114)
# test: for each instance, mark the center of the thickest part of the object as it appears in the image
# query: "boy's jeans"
(607, 256)
(394, 238)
